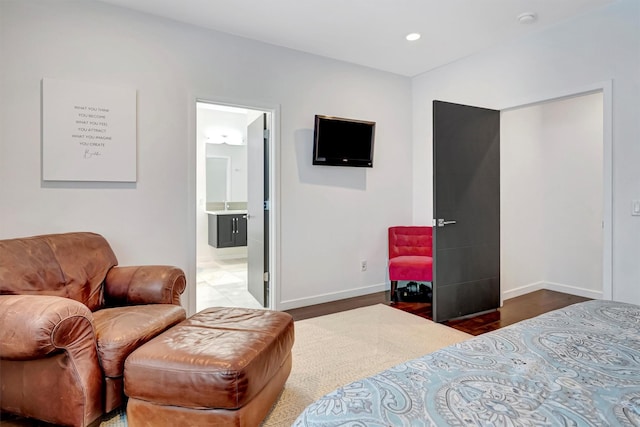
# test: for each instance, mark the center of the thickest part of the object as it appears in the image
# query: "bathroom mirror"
(218, 170)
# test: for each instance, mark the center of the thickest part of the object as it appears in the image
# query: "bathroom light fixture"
(413, 36)
(226, 136)
(227, 139)
(527, 18)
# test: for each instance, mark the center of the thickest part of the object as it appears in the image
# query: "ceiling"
(372, 32)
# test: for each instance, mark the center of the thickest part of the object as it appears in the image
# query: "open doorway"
(232, 226)
(553, 190)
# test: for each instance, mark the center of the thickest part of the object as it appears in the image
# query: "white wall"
(522, 209)
(330, 218)
(551, 165)
(598, 46)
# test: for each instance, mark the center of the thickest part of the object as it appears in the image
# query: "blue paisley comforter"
(578, 366)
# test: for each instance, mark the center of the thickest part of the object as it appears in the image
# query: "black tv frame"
(341, 161)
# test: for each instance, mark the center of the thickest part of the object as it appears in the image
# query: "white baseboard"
(329, 297)
(522, 290)
(552, 286)
(573, 290)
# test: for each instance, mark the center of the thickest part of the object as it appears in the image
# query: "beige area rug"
(337, 349)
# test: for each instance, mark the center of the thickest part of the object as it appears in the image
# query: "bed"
(578, 366)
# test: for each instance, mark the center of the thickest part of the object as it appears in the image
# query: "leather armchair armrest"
(34, 326)
(149, 284)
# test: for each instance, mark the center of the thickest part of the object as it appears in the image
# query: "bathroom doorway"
(232, 204)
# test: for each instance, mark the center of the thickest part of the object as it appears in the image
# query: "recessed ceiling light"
(413, 37)
(527, 17)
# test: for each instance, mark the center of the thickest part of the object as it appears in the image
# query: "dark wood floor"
(513, 310)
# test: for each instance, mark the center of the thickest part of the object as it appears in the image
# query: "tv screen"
(343, 142)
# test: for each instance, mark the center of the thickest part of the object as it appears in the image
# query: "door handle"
(442, 222)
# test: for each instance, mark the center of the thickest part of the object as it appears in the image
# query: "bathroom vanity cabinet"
(227, 230)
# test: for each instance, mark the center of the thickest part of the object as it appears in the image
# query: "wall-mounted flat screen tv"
(343, 142)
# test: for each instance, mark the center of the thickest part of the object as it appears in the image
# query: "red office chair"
(410, 255)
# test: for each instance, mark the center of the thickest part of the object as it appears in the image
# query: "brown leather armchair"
(69, 317)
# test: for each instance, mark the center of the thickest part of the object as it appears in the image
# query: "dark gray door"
(466, 206)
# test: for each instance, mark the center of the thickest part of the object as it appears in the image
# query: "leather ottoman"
(220, 367)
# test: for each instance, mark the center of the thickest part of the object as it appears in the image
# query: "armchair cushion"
(70, 265)
(411, 267)
(120, 330)
(410, 240)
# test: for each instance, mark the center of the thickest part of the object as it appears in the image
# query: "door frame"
(273, 157)
(607, 170)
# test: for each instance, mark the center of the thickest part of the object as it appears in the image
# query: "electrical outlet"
(363, 265)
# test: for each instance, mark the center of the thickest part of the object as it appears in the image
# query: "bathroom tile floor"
(223, 283)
